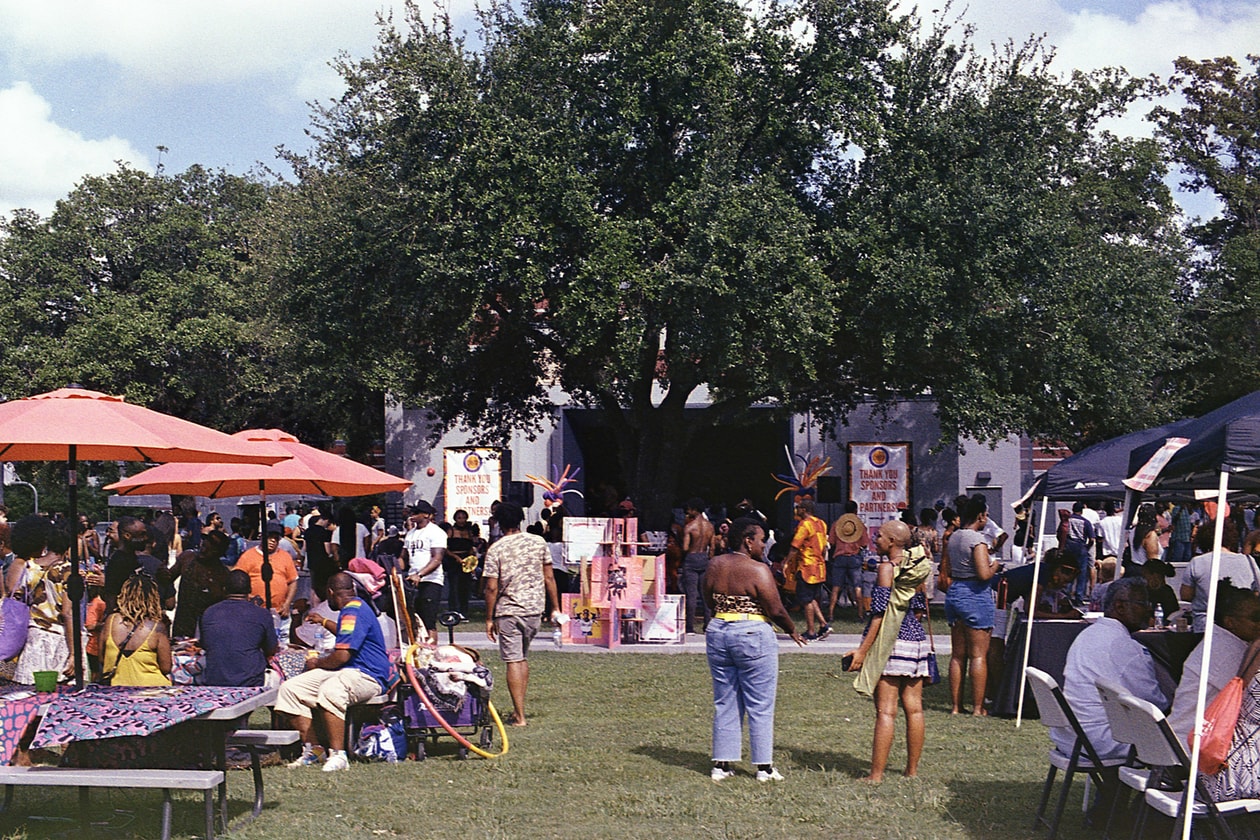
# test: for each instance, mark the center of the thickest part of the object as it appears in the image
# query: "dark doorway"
(724, 464)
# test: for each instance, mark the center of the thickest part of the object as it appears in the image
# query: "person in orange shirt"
(808, 556)
(284, 575)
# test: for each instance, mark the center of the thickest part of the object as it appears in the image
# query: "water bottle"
(558, 619)
(323, 640)
(1159, 615)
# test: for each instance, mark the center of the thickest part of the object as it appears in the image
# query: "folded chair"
(1145, 726)
(1055, 712)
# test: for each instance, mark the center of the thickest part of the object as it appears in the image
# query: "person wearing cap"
(284, 575)
(1156, 573)
(424, 548)
(848, 540)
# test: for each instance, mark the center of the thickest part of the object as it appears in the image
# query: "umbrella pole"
(75, 586)
(267, 571)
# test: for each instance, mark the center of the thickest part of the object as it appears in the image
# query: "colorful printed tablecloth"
(101, 711)
(289, 662)
(18, 707)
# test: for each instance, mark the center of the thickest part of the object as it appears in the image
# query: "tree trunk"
(651, 452)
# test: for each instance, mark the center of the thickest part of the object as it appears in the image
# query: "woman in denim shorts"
(969, 606)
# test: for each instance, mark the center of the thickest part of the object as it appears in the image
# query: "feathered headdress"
(554, 490)
(804, 482)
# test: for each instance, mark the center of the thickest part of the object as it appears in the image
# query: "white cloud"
(1146, 43)
(167, 44)
(40, 162)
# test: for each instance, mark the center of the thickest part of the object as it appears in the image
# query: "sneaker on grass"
(770, 775)
(310, 755)
(717, 774)
(336, 761)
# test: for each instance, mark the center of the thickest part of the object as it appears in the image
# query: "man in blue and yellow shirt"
(354, 671)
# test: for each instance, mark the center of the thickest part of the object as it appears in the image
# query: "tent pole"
(1200, 704)
(1032, 610)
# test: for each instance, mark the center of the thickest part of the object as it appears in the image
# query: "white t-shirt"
(419, 544)
(1111, 529)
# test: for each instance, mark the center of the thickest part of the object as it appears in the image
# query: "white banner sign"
(473, 481)
(879, 480)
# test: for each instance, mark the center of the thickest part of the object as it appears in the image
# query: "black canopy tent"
(1221, 449)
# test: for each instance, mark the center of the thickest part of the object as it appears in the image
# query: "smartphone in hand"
(846, 662)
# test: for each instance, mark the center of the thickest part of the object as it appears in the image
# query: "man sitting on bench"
(356, 670)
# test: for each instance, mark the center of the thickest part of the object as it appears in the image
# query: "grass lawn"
(618, 746)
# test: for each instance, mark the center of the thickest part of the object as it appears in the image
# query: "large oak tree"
(646, 203)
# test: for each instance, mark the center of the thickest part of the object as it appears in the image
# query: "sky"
(87, 83)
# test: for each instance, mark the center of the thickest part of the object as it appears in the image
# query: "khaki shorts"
(515, 634)
(331, 690)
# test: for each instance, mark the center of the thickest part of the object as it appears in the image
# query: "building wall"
(936, 474)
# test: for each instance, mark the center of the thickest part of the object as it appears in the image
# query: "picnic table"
(99, 715)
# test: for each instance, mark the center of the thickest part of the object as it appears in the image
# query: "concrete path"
(834, 644)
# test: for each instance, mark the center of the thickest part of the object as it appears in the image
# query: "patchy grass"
(618, 746)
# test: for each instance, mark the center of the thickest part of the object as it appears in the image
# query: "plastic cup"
(46, 681)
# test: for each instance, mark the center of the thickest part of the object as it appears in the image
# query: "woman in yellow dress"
(137, 643)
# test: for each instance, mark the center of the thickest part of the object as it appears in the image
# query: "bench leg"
(255, 764)
(210, 816)
(8, 798)
(166, 814)
(85, 810)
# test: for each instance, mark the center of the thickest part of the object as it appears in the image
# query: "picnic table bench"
(255, 741)
(164, 780)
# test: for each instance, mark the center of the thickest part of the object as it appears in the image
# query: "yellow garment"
(913, 569)
(140, 668)
(45, 590)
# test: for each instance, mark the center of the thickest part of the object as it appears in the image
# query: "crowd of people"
(737, 580)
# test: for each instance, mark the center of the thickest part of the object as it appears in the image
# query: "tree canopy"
(650, 205)
(1215, 139)
(674, 213)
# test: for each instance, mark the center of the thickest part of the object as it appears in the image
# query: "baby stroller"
(456, 690)
(468, 715)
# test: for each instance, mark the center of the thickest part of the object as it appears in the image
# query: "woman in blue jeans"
(969, 607)
(742, 650)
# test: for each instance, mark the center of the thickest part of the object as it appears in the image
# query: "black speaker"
(829, 488)
(521, 492)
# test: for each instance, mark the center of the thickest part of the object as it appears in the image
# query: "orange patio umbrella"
(307, 471)
(74, 423)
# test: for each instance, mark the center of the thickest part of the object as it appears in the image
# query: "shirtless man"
(697, 549)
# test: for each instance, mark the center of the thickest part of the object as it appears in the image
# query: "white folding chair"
(1145, 726)
(1055, 712)
(1124, 731)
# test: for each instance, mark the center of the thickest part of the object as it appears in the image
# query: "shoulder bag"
(934, 668)
(107, 677)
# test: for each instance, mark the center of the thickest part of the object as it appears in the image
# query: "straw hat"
(850, 528)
